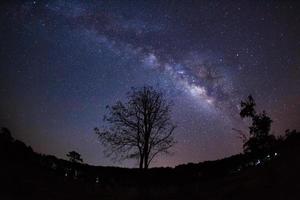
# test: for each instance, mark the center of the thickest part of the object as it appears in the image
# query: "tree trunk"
(141, 161)
(146, 146)
(146, 162)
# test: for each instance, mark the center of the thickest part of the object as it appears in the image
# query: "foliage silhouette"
(74, 157)
(140, 128)
(261, 141)
(6, 135)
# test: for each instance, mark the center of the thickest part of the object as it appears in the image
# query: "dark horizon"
(63, 62)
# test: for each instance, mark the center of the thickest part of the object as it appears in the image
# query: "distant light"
(257, 162)
(275, 154)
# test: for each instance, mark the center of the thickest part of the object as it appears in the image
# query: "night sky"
(62, 62)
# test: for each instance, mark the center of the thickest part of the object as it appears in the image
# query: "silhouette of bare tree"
(141, 128)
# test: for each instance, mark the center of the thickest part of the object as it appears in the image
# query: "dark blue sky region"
(62, 62)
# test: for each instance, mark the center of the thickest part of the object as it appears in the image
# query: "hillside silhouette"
(27, 174)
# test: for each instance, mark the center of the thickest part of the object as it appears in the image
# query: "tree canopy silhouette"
(260, 141)
(140, 128)
(5, 135)
(74, 157)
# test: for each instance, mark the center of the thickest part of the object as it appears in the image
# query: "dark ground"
(28, 175)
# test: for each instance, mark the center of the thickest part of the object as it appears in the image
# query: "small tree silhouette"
(74, 157)
(260, 140)
(5, 135)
